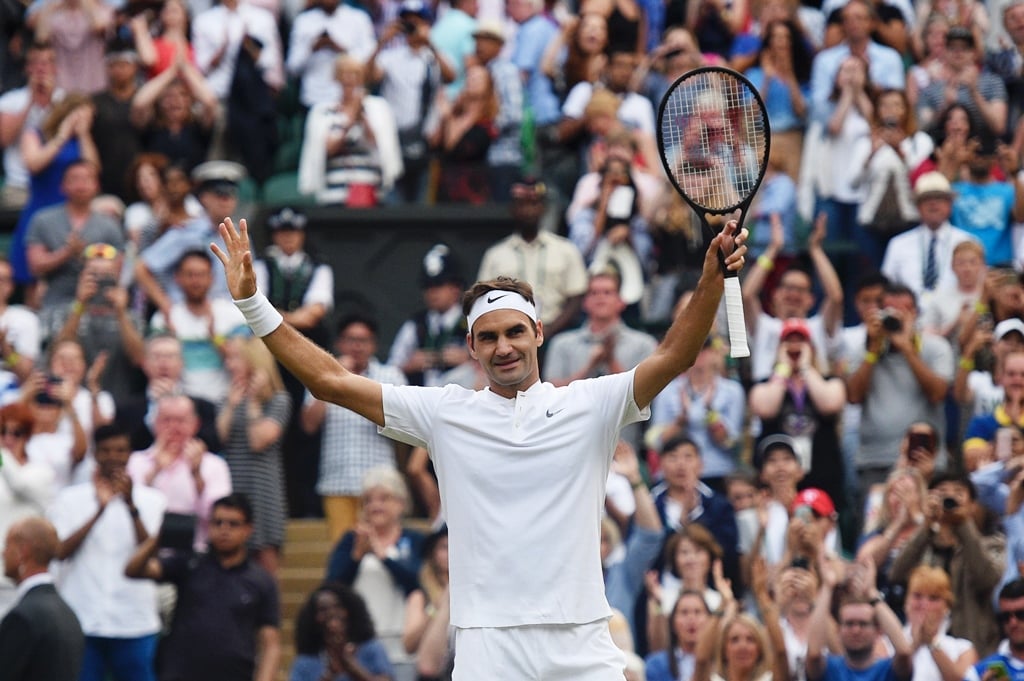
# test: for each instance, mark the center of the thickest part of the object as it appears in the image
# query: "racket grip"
(734, 316)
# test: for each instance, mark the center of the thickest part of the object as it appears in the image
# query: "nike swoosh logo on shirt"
(552, 413)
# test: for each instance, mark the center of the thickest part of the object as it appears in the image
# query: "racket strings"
(714, 132)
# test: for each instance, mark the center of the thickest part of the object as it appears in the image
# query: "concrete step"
(305, 529)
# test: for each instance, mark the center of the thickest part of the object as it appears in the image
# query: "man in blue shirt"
(1010, 655)
(986, 207)
(885, 67)
(863, 613)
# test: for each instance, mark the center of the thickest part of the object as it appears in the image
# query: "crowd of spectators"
(845, 504)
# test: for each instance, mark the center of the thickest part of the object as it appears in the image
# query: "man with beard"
(862, 615)
(551, 263)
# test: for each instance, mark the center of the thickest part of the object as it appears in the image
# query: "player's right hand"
(237, 260)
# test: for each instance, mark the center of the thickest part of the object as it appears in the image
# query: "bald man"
(40, 638)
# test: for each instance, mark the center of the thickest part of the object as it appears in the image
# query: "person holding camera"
(100, 320)
(226, 623)
(952, 538)
(900, 377)
(410, 73)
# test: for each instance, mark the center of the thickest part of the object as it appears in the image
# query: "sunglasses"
(103, 251)
(12, 432)
(1006, 615)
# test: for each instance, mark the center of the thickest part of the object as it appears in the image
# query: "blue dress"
(44, 191)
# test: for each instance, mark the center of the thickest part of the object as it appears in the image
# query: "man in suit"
(40, 638)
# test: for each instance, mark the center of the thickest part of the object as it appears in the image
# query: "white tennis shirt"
(522, 485)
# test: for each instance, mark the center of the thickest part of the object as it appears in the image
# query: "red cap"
(819, 501)
(794, 325)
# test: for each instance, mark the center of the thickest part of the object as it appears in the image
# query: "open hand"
(237, 260)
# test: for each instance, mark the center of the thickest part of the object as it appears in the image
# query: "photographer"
(900, 377)
(950, 538)
(211, 637)
(99, 319)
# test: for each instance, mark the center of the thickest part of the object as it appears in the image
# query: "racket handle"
(734, 316)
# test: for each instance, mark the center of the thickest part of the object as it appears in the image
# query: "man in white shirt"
(100, 523)
(922, 258)
(217, 37)
(322, 32)
(522, 465)
(202, 322)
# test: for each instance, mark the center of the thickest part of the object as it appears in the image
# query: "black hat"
(440, 267)
(770, 444)
(286, 218)
(528, 187)
(961, 33)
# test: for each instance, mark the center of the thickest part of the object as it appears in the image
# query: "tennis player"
(521, 465)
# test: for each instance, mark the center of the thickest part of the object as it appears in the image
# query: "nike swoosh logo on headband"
(491, 300)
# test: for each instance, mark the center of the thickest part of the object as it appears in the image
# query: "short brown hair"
(482, 288)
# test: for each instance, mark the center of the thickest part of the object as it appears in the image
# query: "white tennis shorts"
(548, 652)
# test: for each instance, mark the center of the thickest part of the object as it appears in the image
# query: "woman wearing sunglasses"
(26, 488)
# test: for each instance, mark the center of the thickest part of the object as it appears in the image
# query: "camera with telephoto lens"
(890, 321)
(949, 504)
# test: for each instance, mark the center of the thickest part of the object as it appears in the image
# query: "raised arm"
(314, 367)
(685, 337)
(758, 275)
(832, 305)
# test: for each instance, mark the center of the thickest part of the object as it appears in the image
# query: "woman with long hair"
(735, 647)
(64, 138)
(464, 135)
(251, 425)
(176, 111)
(578, 53)
(884, 162)
(889, 524)
(689, 615)
(782, 75)
(335, 639)
(689, 556)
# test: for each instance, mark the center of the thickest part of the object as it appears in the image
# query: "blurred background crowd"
(869, 454)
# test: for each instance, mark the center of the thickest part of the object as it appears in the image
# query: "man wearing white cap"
(521, 465)
(922, 258)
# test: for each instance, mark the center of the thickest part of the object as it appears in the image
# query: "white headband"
(500, 300)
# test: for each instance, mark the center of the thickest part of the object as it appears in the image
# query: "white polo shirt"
(92, 581)
(522, 485)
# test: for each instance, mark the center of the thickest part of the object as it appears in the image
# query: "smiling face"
(505, 344)
(742, 647)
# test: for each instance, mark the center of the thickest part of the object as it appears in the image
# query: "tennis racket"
(713, 135)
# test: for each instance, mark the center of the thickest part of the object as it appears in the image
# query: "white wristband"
(259, 314)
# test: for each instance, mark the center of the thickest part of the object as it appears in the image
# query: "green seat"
(283, 189)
